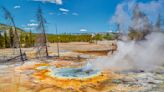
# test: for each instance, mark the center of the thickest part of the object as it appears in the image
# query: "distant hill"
(4, 27)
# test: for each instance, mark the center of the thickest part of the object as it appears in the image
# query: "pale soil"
(19, 78)
(65, 48)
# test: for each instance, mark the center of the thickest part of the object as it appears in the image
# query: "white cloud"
(59, 2)
(17, 7)
(110, 31)
(83, 30)
(63, 10)
(75, 14)
(32, 25)
(28, 28)
(51, 13)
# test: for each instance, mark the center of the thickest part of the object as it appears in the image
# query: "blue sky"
(70, 16)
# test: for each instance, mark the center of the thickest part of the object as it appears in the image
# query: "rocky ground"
(17, 76)
(150, 82)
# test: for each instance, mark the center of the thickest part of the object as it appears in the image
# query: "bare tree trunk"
(41, 27)
(45, 40)
(57, 42)
(19, 45)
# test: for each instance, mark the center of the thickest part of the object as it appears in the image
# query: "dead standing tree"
(58, 51)
(42, 39)
(158, 23)
(9, 18)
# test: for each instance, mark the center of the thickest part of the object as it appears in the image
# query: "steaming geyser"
(67, 77)
(71, 73)
(74, 73)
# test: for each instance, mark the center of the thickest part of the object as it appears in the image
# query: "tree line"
(7, 39)
(28, 39)
(80, 37)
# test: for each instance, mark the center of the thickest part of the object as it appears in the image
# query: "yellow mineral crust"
(65, 83)
(101, 82)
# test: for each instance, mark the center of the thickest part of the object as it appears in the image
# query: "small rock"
(117, 81)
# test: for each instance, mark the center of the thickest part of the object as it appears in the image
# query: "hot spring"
(69, 77)
(71, 73)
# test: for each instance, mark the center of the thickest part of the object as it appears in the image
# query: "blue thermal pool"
(70, 73)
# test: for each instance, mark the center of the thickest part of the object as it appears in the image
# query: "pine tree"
(1, 41)
(27, 41)
(6, 40)
(97, 37)
(30, 39)
(11, 37)
(22, 40)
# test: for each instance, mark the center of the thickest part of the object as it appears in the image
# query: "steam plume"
(144, 55)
